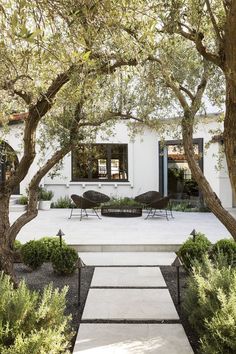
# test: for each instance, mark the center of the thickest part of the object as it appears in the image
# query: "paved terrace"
(122, 234)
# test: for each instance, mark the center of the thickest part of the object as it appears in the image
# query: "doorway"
(175, 178)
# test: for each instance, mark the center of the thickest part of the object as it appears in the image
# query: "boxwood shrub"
(225, 248)
(34, 254)
(64, 260)
(192, 250)
(51, 243)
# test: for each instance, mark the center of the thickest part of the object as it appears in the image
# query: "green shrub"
(51, 243)
(17, 245)
(225, 248)
(63, 202)
(64, 260)
(114, 201)
(32, 323)
(34, 253)
(44, 194)
(193, 250)
(23, 200)
(210, 302)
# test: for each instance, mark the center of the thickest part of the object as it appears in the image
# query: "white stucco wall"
(143, 164)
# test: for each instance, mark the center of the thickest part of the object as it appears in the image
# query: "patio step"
(17, 207)
(126, 247)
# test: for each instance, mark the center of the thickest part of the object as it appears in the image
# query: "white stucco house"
(123, 165)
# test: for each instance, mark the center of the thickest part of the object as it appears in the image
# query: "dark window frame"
(109, 179)
(198, 141)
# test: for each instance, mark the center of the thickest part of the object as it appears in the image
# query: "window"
(106, 162)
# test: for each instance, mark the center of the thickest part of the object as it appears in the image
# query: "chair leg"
(149, 212)
(81, 214)
(97, 214)
(71, 212)
(167, 215)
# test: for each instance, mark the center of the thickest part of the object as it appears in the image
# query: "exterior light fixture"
(193, 233)
(177, 263)
(60, 234)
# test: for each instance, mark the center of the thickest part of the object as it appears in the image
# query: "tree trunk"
(209, 195)
(6, 244)
(230, 77)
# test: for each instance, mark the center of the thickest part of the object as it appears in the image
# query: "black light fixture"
(80, 265)
(60, 234)
(177, 263)
(193, 233)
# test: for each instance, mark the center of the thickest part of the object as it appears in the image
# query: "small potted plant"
(45, 198)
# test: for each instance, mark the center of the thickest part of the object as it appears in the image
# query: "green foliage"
(210, 302)
(17, 245)
(63, 202)
(122, 202)
(34, 253)
(64, 260)
(44, 194)
(225, 248)
(31, 322)
(191, 250)
(23, 200)
(51, 243)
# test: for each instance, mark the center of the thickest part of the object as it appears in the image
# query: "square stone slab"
(128, 276)
(132, 339)
(141, 304)
(127, 258)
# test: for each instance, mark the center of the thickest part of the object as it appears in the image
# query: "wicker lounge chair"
(159, 205)
(96, 197)
(84, 204)
(146, 198)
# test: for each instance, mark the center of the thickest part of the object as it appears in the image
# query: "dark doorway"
(175, 177)
(8, 163)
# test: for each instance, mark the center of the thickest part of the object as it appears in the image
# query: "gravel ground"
(36, 280)
(170, 276)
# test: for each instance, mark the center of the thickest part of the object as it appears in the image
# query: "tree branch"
(189, 93)
(213, 21)
(33, 191)
(197, 39)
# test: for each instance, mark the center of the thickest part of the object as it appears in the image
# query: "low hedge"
(34, 254)
(194, 249)
(64, 260)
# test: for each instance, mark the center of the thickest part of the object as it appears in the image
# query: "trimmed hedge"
(64, 260)
(191, 250)
(34, 254)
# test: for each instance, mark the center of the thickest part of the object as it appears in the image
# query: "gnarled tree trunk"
(209, 195)
(6, 244)
(230, 77)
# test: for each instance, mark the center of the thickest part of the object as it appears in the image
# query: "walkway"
(129, 311)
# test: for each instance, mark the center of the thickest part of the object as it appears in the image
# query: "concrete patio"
(122, 234)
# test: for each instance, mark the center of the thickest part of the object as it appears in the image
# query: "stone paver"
(128, 276)
(121, 230)
(127, 258)
(132, 339)
(131, 304)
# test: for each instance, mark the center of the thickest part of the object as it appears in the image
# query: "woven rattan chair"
(146, 198)
(96, 197)
(159, 205)
(83, 204)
